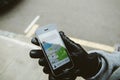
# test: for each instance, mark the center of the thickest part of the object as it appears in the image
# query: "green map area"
(62, 54)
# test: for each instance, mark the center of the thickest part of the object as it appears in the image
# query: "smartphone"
(54, 49)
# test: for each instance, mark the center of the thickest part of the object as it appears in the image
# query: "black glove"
(80, 59)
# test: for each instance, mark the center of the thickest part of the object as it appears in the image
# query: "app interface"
(54, 48)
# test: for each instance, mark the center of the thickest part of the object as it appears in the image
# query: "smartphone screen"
(55, 51)
(54, 48)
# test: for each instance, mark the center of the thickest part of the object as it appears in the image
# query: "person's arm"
(110, 62)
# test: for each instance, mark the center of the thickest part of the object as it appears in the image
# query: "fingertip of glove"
(42, 62)
(36, 54)
(31, 54)
(63, 36)
(46, 70)
(34, 41)
(61, 33)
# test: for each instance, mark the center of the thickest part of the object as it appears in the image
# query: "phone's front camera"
(45, 29)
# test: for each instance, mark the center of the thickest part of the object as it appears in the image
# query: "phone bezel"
(59, 70)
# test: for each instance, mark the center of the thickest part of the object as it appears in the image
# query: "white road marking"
(31, 24)
(93, 45)
(32, 31)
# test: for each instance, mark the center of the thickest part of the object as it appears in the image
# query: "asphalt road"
(92, 20)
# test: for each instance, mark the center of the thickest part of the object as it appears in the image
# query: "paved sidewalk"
(15, 63)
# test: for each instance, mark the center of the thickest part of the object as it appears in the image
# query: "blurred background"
(95, 24)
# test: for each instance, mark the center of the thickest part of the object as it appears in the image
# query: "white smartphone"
(54, 49)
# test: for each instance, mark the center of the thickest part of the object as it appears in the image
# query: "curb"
(17, 38)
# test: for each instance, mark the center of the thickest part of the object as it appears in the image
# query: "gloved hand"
(82, 62)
